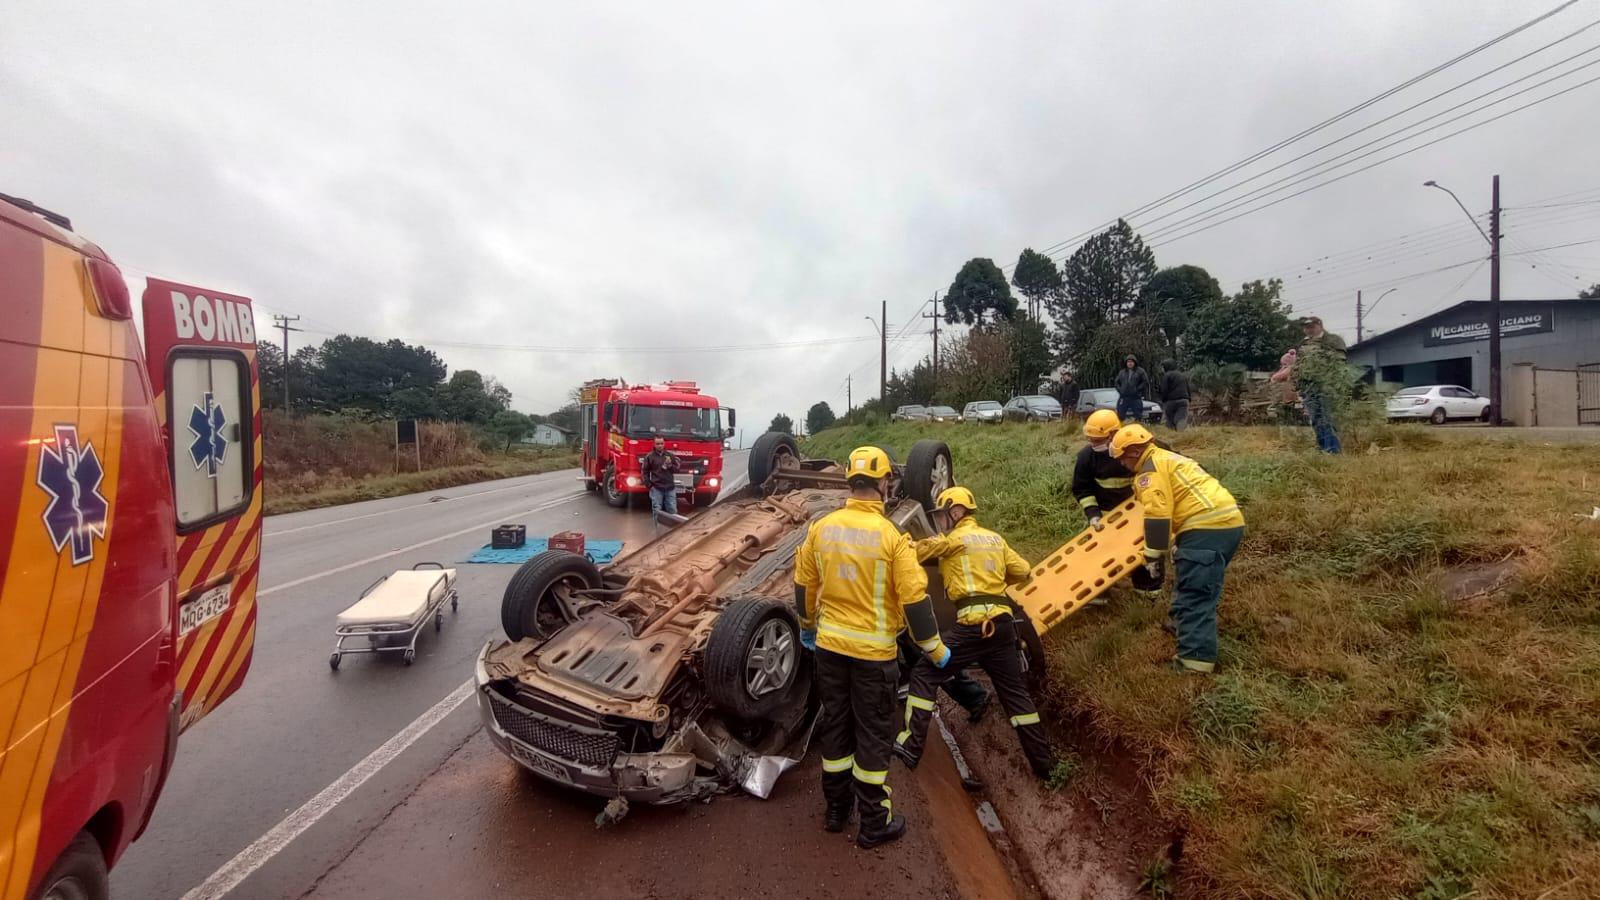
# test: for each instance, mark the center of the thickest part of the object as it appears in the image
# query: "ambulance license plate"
(202, 609)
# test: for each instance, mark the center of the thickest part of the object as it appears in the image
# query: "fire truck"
(130, 537)
(621, 421)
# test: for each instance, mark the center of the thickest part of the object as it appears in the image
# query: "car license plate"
(684, 481)
(202, 609)
(538, 763)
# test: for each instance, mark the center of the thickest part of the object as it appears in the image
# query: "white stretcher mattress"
(402, 599)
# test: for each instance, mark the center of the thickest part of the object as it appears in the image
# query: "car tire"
(767, 455)
(1438, 417)
(928, 472)
(1484, 416)
(528, 589)
(753, 658)
(79, 872)
(615, 496)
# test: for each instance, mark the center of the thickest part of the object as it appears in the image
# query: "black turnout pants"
(997, 653)
(855, 731)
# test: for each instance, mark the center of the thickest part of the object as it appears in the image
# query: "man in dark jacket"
(1133, 385)
(659, 466)
(1174, 395)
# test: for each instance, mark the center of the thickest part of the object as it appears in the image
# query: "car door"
(1456, 401)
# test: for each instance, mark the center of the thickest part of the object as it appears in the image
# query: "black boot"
(891, 830)
(836, 818)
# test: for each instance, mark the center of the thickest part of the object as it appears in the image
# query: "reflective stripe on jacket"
(975, 563)
(859, 573)
(1178, 496)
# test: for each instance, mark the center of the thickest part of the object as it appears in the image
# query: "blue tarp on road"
(598, 551)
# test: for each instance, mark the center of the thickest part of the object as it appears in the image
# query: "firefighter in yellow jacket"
(976, 565)
(1189, 511)
(857, 585)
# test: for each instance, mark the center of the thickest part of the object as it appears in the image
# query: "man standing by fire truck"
(857, 584)
(660, 467)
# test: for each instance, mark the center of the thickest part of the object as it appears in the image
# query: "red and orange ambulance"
(130, 534)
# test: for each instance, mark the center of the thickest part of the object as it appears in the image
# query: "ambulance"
(130, 537)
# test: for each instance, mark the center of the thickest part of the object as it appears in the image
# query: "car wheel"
(772, 451)
(1484, 416)
(526, 609)
(1438, 417)
(928, 472)
(615, 495)
(753, 657)
(79, 873)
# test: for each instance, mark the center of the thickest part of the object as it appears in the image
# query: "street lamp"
(1380, 299)
(1492, 238)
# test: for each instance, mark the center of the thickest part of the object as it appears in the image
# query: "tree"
(782, 423)
(510, 426)
(978, 293)
(567, 417)
(269, 362)
(975, 366)
(819, 416)
(1172, 295)
(916, 385)
(467, 398)
(1037, 278)
(1593, 293)
(359, 373)
(1251, 328)
(1110, 346)
(1101, 283)
(1029, 356)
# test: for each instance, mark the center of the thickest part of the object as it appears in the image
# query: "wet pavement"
(448, 815)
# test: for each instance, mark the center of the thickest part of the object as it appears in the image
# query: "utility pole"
(883, 352)
(849, 402)
(935, 317)
(1358, 317)
(282, 323)
(1494, 305)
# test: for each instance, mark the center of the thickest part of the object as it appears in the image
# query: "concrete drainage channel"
(1096, 836)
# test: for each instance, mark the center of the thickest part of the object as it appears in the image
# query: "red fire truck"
(130, 536)
(620, 421)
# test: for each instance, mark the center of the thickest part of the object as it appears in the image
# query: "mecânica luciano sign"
(1538, 320)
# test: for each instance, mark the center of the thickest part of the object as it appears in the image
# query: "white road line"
(270, 844)
(385, 512)
(407, 549)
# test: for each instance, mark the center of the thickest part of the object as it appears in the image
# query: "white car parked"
(1438, 403)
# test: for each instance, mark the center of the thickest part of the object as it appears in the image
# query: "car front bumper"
(581, 756)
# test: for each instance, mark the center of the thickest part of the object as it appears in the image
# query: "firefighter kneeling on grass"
(857, 585)
(1185, 505)
(976, 565)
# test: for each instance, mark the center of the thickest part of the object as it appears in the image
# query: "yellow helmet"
(956, 496)
(1101, 424)
(869, 461)
(1131, 435)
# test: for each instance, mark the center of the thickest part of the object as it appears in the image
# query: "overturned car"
(676, 671)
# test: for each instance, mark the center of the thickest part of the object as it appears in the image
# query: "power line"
(551, 348)
(1223, 172)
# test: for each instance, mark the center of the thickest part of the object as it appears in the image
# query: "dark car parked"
(1033, 408)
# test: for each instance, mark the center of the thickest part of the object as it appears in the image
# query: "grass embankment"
(314, 461)
(1371, 732)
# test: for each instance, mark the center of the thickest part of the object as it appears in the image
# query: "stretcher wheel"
(453, 603)
(333, 661)
(438, 620)
(409, 655)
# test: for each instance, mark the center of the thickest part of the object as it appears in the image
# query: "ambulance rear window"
(209, 414)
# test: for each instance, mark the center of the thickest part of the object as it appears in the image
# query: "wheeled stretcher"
(393, 610)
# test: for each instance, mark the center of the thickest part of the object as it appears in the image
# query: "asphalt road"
(446, 814)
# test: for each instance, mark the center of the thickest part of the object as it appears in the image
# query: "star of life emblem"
(210, 445)
(70, 472)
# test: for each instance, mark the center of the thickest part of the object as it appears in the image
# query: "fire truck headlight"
(713, 482)
(633, 481)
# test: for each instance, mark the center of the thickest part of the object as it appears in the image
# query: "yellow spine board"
(1082, 568)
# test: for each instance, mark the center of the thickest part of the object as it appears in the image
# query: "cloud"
(706, 175)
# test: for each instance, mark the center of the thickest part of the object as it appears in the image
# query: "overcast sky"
(709, 175)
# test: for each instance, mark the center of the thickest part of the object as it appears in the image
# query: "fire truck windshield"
(674, 422)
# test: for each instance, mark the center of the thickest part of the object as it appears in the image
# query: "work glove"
(940, 655)
(1097, 523)
(1157, 570)
(808, 639)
